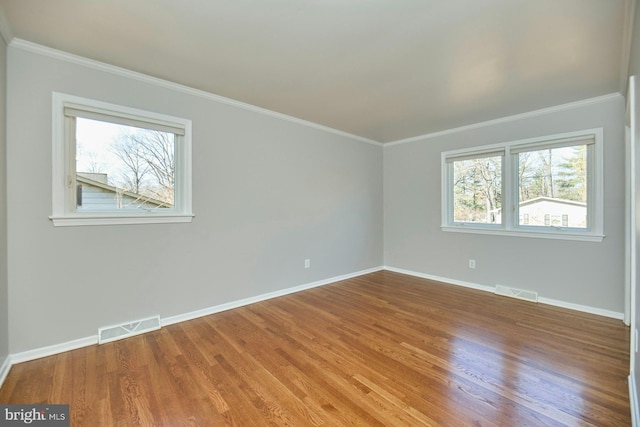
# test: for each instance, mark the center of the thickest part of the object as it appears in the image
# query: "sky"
(94, 140)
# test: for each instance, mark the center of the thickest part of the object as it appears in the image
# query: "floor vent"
(516, 293)
(126, 330)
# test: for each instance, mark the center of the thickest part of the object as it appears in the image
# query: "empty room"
(319, 213)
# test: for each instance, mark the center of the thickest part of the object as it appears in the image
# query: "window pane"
(123, 167)
(477, 190)
(552, 188)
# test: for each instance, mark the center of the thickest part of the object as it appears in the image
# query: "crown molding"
(134, 75)
(513, 118)
(25, 45)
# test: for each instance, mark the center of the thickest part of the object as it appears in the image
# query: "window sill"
(106, 219)
(537, 234)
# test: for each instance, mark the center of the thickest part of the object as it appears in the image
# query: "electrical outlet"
(307, 263)
(472, 263)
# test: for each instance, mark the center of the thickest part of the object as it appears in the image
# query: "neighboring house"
(553, 212)
(547, 211)
(95, 193)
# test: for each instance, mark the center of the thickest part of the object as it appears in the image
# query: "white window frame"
(510, 209)
(64, 211)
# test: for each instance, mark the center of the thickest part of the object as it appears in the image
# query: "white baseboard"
(91, 340)
(583, 308)
(633, 400)
(4, 369)
(541, 300)
(246, 301)
(441, 279)
(53, 349)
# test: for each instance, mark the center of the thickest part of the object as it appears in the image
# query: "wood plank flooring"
(382, 349)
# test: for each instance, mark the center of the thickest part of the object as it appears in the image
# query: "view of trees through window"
(120, 166)
(552, 188)
(477, 188)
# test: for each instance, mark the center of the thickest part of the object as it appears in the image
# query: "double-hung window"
(118, 165)
(549, 187)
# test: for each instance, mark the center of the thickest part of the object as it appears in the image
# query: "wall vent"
(516, 293)
(126, 330)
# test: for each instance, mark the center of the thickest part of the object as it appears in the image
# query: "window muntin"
(118, 165)
(552, 186)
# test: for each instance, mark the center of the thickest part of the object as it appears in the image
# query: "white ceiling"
(381, 69)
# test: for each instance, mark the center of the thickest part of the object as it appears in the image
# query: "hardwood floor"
(382, 349)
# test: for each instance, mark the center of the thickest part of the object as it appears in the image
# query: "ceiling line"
(520, 116)
(123, 72)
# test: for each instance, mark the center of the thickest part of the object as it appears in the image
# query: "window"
(118, 165)
(477, 189)
(552, 187)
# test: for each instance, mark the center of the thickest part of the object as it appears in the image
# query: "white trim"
(4, 369)
(120, 116)
(119, 219)
(515, 117)
(537, 234)
(510, 225)
(123, 72)
(263, 297)
(50, 350)
(633, 401)
(491, 289)
(447, 280)
(632, 117)
(630, 215)
(63, 170)
(583, 308)
(91, 340)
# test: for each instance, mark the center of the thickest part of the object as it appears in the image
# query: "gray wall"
(267, 193)
(585, 273)
(634, 63)
(4, 309)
